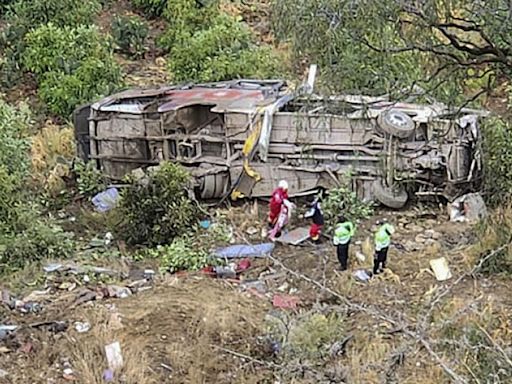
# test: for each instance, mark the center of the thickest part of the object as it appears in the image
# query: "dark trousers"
(379, 262)
(342, 252)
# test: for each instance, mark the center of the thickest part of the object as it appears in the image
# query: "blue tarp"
(243, 250)
(105, 201)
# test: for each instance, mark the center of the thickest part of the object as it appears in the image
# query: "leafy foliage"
(327, 33)
(14, 142)
(493, 233)
(497, 135)
(180, 255)
(206, 44)
(73, 65)
(24, 235)
(152, 8)
(89, 179)
(39, 241)
(24, 16)
(382, 47)
(344, 201)
(159, 210)
(130, 34)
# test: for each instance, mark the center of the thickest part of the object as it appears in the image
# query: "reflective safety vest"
(383, 237)
(343, 233)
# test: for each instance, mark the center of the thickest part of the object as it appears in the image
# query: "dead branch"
(496, 345)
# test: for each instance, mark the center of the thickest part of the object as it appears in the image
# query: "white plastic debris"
(114, 356)
(82, 327)
(441, 269)
(468, 208)
(362, 275)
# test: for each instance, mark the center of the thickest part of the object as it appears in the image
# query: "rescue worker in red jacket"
(317, 216)
(279, 196)
(280, 210)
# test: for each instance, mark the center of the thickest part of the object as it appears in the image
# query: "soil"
(192, 328)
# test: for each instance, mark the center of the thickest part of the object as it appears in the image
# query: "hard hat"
(283, 184)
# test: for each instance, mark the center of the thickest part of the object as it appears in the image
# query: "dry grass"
(49, 146)
(186, 323)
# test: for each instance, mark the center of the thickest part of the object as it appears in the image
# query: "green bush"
(159, 210)
(130, 34)
(63, 92)
(497, 149)
(39, 241)
(14, 142)
(24, 236)
(72, 65)
(222, 51)
(89, 179)
(24, 16)
(344, 201)
(180, 255)
(152, 8)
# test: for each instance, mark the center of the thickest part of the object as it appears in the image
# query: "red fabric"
(285, 301)
(243, 265)
(315, 230)
(276, 201)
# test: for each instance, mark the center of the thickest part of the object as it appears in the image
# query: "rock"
(420, 238)
(251, 231)
(411, 246)
(429, 233)
(436, 235)
(3, 374)
(415, 228)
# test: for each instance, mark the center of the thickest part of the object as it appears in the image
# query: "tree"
(378, 47)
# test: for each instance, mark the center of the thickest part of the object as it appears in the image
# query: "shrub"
(497, 148)
(24, 236)
(159, 210)
(24, 16)
(180, 255)
(94, 78)
(73, 65)
(14, 142)
(152, 8)
(224, 50)
(493, 233)
(89, 179)
(130, 34)
(39, 241)
(344, 201)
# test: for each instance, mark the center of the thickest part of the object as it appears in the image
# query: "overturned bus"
(238, 138)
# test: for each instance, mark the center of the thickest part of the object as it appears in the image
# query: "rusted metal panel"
(221, 99)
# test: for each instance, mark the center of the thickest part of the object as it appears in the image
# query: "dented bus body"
(240, 137)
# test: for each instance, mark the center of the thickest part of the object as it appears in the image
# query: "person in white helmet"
(280, 209)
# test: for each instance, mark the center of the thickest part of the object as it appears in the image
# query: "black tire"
(390, 197)
(396, 123)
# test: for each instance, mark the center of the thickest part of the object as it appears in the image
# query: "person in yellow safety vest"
(382, 243)
(343, 232)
